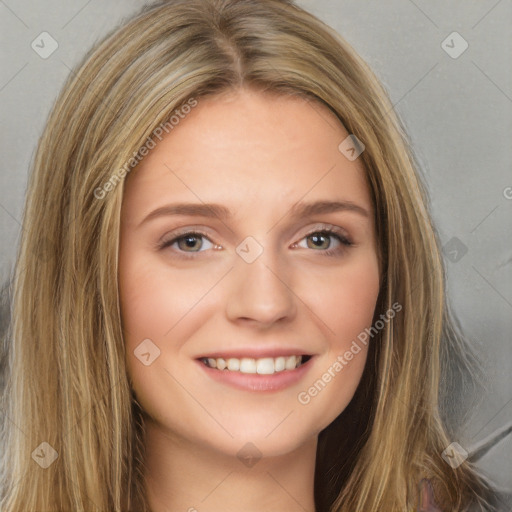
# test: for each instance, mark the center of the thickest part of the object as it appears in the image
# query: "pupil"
(190, 241)
(316, 238)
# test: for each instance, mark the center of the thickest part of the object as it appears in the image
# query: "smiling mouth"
(261, 366)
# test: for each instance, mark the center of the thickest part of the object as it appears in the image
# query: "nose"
(261, 292)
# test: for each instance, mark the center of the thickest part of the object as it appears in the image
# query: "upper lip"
(255, 352)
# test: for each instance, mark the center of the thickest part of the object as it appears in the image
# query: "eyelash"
(324, 231)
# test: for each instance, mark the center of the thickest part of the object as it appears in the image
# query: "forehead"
(250, 148)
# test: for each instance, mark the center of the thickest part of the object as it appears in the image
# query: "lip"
(256, 353)
(256, 382)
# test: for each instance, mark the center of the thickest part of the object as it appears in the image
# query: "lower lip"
(256, 382)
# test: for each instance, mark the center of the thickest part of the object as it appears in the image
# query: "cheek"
(345, 312)
(149, 305)
(353, 304)
(165, 305)
(155, 306)
(345, 299)
(153, 300)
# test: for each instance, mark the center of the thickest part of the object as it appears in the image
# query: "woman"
(261, 371)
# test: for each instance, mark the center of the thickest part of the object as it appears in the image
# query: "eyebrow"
(298, 210)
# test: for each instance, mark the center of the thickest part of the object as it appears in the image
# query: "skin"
(258, 155)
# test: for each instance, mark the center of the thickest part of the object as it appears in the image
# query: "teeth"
(280, 364)
(263, 366)
(233, 364)
(291, 363)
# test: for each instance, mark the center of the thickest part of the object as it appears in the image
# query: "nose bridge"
(261, 288)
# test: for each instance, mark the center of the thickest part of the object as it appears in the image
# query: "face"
(273, 269)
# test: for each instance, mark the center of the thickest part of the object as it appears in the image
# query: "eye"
(321, 239)
(189, 240)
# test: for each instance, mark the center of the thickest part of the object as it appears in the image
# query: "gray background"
(458, 112)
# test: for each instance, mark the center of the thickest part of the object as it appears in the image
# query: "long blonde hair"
(67, 384)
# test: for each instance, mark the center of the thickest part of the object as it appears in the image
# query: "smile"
(261, 366)
(264, 374)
